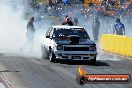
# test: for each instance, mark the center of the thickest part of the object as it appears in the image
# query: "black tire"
(52, 56)
(93, 61)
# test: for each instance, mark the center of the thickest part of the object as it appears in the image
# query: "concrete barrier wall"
(116, 44)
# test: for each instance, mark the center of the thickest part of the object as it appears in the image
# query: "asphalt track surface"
(29, 72)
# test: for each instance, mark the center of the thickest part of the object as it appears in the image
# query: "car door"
(48, 39)
(49, 42)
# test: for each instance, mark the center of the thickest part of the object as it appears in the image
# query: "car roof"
(65, 26)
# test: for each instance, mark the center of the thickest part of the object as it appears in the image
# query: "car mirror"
(47, 36)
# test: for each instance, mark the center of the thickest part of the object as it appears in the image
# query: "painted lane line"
(4, 82)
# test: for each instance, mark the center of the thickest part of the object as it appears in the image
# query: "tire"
(52, 56)
(93, 61)
(44, 53)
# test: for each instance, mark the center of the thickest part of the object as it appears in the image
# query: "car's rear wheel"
(52, 56)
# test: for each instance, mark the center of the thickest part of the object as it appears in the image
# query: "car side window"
(51, 33)
(48, 32)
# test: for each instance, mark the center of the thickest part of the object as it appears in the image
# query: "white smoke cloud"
(13, 29)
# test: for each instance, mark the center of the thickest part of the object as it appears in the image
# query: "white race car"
(68, 43)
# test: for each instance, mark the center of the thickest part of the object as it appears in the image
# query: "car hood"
(81, 42)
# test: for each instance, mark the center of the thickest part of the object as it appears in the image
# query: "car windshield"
(64, 33)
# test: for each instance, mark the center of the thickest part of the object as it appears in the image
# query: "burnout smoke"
(13, 29)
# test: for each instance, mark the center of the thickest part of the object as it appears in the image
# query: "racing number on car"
(76, 57)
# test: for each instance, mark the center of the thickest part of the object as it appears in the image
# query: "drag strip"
(30, 72)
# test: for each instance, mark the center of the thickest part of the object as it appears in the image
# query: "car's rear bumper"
(76, 55)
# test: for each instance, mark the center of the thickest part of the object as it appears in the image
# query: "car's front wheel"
(93, 61)
(52, 56)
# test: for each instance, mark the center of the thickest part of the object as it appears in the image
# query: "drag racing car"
(68, 43)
